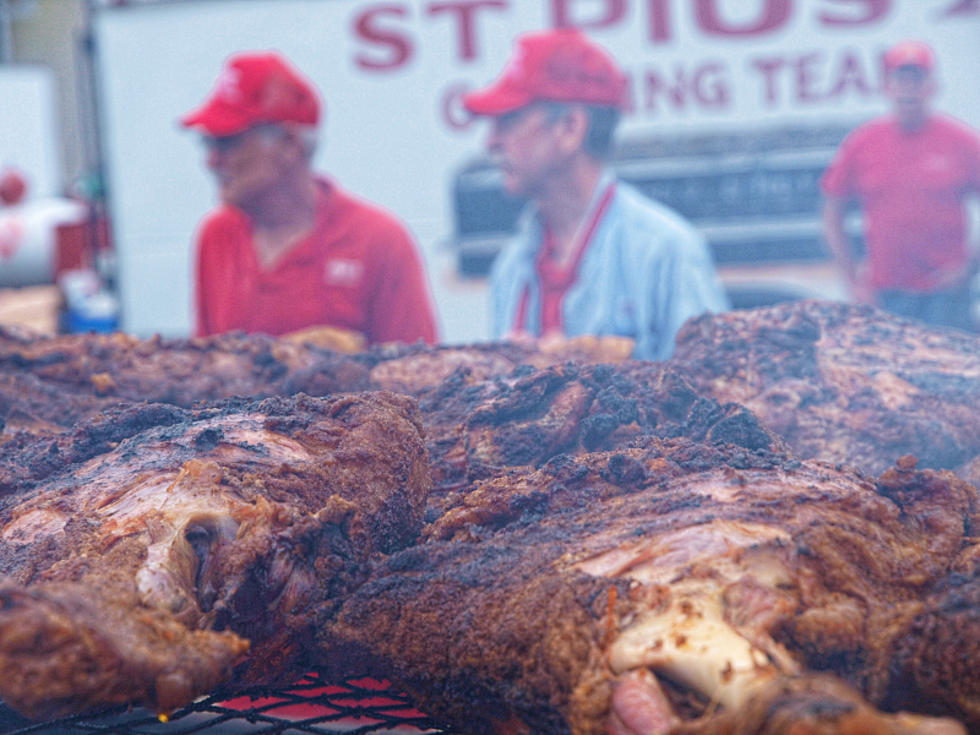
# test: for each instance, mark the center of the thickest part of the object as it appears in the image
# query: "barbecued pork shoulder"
(675, 586)
(199, 550)
(414, 369)
(181, 371)
(476, 430)
(30, 406)
(316, 361)
(936, 664)
(29, 456)
(843, 383)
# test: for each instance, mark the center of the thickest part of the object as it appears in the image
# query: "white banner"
(391, 73)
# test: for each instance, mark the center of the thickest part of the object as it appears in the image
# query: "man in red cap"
(910, 172)
(288, 249)
(592, 255)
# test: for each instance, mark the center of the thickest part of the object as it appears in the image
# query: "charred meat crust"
(842, 383)
(512, 616)
(216, 530)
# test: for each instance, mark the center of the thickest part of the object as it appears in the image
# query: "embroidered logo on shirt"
(937, 163)
(343, 272)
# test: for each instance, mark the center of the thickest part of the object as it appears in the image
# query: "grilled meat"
(181, 371)
(29, 405)
(415, 369)
(477, 430)
(27, 457)
(935, 668)
(843, 383)
(610, 549)
(672, 584)
(144, 572)
(316, 361)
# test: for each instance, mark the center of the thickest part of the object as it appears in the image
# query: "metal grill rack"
(356, 706)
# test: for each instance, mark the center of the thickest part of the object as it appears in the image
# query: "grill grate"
(356, 706)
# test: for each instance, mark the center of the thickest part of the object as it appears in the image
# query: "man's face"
(248, 165)
(910, 89)
(526, 145)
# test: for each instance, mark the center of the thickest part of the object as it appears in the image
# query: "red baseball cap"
(560, 66)
(910, 53)
(255, 88)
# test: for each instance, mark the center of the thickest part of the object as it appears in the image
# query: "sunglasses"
(554, 111)
(226, 143)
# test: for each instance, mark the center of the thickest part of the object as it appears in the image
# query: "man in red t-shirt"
(910, 172)
(288, 249)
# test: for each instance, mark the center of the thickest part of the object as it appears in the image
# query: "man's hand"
(858, 288)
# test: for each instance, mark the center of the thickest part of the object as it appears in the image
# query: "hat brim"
(497, 99)
(914, 64)
(217, 119)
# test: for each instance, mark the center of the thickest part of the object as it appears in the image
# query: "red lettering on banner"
(465, 11)
(963, 7)
(872, 10)
(850, 76)
(562, 16)
(660, 20)
(805, 77)
(705, 86)
(810, 78)
(769, 68)
(399, 46)
(774, 15)
(388, 30)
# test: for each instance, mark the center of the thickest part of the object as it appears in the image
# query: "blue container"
(79, 323)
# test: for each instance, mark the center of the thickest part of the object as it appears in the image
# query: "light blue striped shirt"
(645, 272)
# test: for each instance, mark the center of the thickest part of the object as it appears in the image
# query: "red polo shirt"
(910, 186)
(358, 269)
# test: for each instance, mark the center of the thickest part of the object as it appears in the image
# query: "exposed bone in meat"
(611, 580)
(143, 573)
(842, 383)
(507, 605)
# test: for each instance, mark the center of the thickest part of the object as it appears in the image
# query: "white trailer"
(736, 105)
